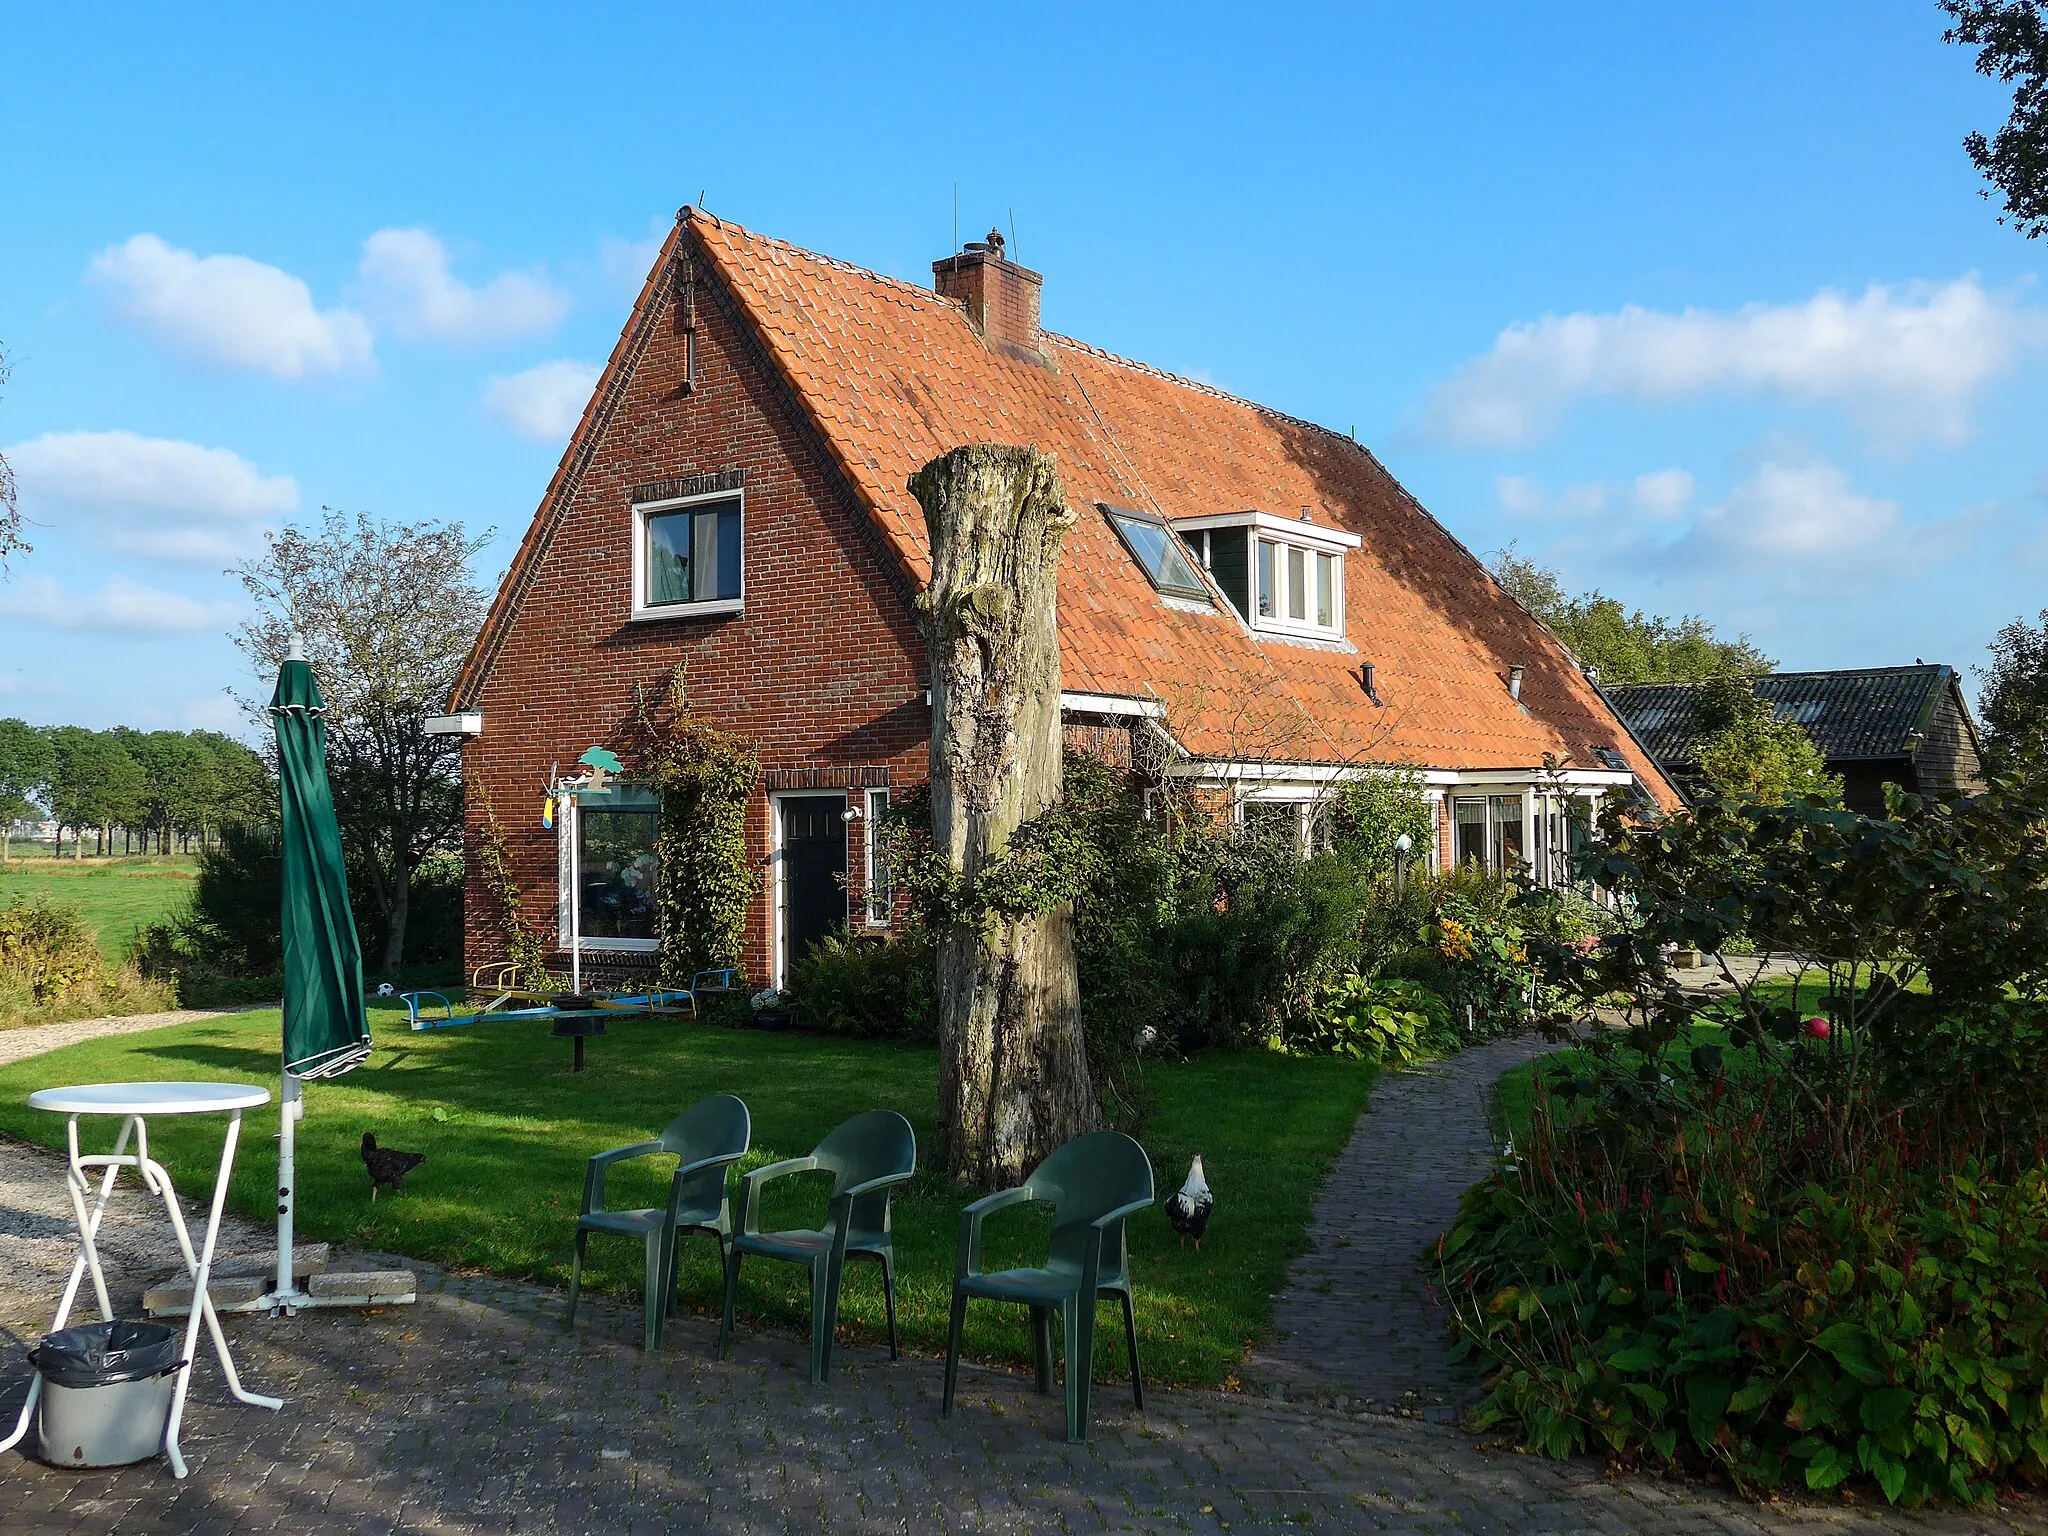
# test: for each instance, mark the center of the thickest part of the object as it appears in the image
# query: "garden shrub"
(870, 987)
(1796, 1245)
(1376, 1020)
(51, 969)
(46, 951)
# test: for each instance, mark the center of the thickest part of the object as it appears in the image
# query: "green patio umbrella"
(326, 1029)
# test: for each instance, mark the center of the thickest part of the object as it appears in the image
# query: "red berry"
(1818, 1028)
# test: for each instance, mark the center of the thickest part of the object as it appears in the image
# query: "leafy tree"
(24, 772)
(1746, 753)
(388, 612)
(1621, 646)
(2011, 39)
(11, 541)
(94, 781)
(2014, 706)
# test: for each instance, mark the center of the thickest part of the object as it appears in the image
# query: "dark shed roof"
(1871, 712)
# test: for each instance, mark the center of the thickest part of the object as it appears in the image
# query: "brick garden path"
(474, 1412)
(1356, 1326)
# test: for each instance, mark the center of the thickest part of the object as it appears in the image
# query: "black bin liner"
(106, 1354)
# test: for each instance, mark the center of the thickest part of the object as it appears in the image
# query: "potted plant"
(771, 1009)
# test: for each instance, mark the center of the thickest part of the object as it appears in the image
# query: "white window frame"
(1302, 800)
(1311, 538)
(877, 807)
(568, 822)
(642, 611)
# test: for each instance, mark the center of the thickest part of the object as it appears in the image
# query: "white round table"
(135, 1104)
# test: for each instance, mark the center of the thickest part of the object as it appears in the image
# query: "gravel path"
(20, 1044)
(137, 1247)
(1356, 1325)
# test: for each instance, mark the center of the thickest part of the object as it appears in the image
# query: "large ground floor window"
(618, 872)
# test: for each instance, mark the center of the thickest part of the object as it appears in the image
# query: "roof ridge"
(823, 260)
(1059, 338)
(1199, 386)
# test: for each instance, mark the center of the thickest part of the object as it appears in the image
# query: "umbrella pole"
(575, 897)
(291, 1109)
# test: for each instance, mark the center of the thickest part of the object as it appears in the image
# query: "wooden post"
(1013, 1067)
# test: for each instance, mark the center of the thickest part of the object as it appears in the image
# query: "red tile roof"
(894, 375)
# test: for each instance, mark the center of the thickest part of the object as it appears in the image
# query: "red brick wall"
(824, 669)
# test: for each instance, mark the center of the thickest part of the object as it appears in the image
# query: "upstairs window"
(687, 557)
(1282, 577)
(1153, 545)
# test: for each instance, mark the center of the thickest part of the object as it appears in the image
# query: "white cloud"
(1803, 509)
(1663, 493)
(218, 713)
(1520, 497)
(188, 546)
(626, 263)
(231, 310)
(123, 470)
(543, 403)
(122, 604)
(1905, 359)
(413, 291)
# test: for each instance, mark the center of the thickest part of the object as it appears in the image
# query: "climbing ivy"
(705, 778)
(525, 946)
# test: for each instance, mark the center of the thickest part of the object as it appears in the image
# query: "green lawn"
(507, 1127)
(117, 896)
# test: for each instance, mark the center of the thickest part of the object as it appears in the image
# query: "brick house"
(1249, 603)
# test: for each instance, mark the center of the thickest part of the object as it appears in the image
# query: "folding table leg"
(88, 1258)
(201, 1267)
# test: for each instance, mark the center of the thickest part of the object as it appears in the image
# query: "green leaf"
(1754, 1394)
(1886, 1409)
(1827, 1468)
(1702, 1263)
(1851, 1347)
(1641, 1357)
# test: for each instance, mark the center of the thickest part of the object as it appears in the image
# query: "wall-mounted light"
(851, 813)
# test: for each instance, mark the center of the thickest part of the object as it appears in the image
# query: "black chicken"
(388, 1168)
(1189, 1210)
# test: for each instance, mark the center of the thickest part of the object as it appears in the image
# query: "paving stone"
(1356, 1322)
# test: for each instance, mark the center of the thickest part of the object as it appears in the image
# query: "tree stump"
(1013, 1066)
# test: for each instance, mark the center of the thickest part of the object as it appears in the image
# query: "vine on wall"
(525, 945)
(705, 778)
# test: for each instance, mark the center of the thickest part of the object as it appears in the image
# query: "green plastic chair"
(867, 1157)
(1093, 1183)
(707, 1138)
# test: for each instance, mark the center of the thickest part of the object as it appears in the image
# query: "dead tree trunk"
(1013, 1067)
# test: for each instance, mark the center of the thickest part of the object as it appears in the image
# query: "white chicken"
(1189, 1210)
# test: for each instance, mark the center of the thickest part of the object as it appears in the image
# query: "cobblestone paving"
(1356, 1325)
(474, 1412)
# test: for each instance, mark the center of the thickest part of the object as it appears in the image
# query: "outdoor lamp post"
(1403, 846)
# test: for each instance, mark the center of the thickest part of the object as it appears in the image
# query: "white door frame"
(778, 873)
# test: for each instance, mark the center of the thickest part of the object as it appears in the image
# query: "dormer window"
(1158, 553)
(1283, 577)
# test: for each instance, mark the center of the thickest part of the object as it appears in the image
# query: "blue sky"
(1702, 306)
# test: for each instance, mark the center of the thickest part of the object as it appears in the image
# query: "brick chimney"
(1001, 297)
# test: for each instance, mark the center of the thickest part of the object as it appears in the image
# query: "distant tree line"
(159, 790)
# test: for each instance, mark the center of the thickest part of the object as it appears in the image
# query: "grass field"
(117, 896)
(507, 1127)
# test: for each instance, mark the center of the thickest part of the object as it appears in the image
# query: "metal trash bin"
(106, 1392)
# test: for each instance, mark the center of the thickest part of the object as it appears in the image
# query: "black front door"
(813, 872)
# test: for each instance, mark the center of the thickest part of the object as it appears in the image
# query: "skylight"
(1158, 552)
